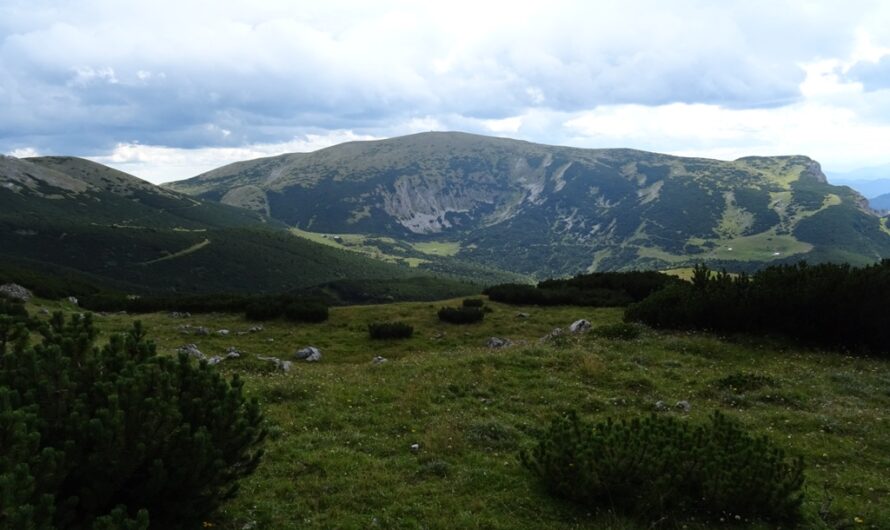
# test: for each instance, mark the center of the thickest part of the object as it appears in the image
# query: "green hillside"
(67, 215)
(546, 210)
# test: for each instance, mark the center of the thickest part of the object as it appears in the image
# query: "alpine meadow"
(476, 265)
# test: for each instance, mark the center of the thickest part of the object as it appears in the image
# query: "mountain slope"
(74, 216)
(881, 202)
(547, 210)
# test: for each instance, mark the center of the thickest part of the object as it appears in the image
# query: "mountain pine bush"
(114, 436)
(828, 305)
(663, 467)
(390, 330)
(461, 315)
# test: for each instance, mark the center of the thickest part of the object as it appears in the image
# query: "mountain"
(881, 202)
(547, 210)
(71, 216)
(869, 181)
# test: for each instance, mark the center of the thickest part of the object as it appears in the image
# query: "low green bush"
(306, 312)
(117, 437)
(390, 330)
(461, 315)
(662, 467)
(619, 331)
(473, 302)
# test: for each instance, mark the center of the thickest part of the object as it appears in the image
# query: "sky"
(168, 89)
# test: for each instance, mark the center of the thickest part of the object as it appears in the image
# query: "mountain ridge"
(565, 209)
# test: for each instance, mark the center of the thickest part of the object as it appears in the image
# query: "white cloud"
(128, 83)
(164, 164)
(24, 152)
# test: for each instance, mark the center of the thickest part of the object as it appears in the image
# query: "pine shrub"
(117, 436)
(473, 302)
(461, 315)
(306, 312)
(619, 331)
(662, 467)
(390, 330)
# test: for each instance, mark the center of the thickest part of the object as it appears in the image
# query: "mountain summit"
(549, 210)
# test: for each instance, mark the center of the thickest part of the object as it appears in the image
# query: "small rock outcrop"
(73, 300)
(661, 406)
(284, 366)
(192, 351)
(580, 326)
(222, 332)
(554, 333)
(379, 360)
(309, 354)
(683, 406)
(15, 292)
(255, 329)
(180, 314)
(497, 342)
(232, 353)
(188, 329)
(522, 315)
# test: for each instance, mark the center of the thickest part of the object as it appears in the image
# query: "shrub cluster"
(461, 315)
(473, 302)
(117, 436)
(662, 467)
(599, 289)
(390, 330)
(254, 307)
(824, 305)
(618, 331)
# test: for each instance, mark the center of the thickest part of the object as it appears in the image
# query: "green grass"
(438, 248)
(342, 429)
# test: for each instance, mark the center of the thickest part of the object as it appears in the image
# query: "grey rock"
(580, 326)
(43, 311)
(497, 342)
(255, 329)
(284, 366)
(178, 314)
(15, 292)
(555, 332)
(415, 448)
(216, 359)
(192, 351)
(379, 360)
(201, 330)
(661, 406)
(73, 300)
(232, 353)
(222, 332)
(309, 354)
(683, 406)
(522, 315)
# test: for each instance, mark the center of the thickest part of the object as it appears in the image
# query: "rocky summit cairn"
(580, 326)
(15, 292)
(309, 354)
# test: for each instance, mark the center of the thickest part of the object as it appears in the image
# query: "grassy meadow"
(340, 451)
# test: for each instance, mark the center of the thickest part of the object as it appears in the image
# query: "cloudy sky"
(167, 89)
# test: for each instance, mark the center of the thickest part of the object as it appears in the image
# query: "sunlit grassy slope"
(340, 452)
